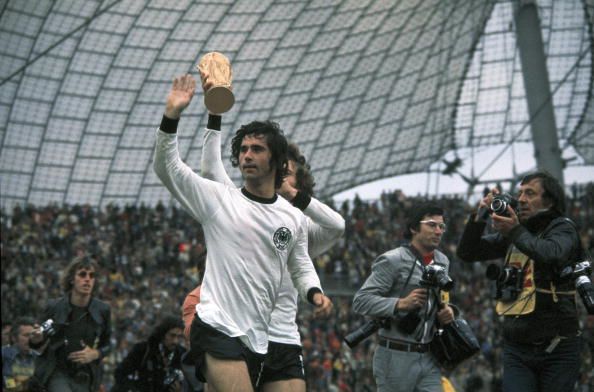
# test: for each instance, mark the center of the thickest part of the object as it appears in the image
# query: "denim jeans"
(529, 368)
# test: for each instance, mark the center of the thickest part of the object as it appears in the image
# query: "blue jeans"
(529, 368)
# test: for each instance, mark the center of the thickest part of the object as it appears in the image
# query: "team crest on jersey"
(281, 238)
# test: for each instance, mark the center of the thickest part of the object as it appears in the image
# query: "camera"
(580, 273)
(507, 282)
(47, 328)
(435, 275)
(171, 376)
(365, 331)
(500, 203)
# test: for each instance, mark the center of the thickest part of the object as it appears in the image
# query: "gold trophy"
(219, 98)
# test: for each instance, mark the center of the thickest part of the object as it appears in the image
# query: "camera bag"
(454, 343)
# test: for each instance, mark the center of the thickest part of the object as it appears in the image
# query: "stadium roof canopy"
(368, 89)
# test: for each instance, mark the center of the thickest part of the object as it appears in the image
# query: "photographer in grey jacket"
(404, 287)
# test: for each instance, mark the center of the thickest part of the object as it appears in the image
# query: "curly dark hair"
(305, 180)
(275, 139)
(168, 322)
(82, 262)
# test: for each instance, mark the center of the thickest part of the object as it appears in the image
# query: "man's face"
(254, 158)
(84, 281)
(291, 177)
(172, 338)
(431, 229)
(22, 339)
(530, 200)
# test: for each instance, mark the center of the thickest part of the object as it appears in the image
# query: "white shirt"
(251, 246)
(324, 228)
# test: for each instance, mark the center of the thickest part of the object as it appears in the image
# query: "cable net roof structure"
(367, 89)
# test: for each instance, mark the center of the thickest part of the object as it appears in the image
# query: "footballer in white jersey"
(253, 237)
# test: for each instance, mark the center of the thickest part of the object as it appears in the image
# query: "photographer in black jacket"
(154, 365)
(540, 327)
(77, 338)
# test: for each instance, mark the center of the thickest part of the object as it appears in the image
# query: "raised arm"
(200, 197)
(211, 164)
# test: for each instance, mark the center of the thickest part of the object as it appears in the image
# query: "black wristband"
(301, 200)
(310, 294)
(214, 122)
(169, 125)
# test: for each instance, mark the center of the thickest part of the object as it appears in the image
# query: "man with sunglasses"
(402, 361)
(79, 337)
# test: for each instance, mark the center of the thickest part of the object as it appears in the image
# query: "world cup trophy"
(219, 98)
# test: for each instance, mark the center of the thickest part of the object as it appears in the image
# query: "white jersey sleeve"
(300, 266)
(325, 227)
(199, 196)
(211, 166)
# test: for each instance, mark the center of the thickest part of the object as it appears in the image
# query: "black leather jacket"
(552, 242)
(59, 311)
(145, 368)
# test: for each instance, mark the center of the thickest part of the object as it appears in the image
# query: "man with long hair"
(283, 366)
(251, 235)
(79, 337)
(154, 365)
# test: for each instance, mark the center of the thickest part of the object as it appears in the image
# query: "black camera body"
(500, 203)
(436, 276)
(47, 328)
(365, 331)
(508, 282)
(580, 274)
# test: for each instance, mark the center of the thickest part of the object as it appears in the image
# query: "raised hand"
(180, 95)
(204, 77)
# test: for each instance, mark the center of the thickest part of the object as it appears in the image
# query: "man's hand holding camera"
(505, 224)
(84, 356)
(414, 300)
(501, 222)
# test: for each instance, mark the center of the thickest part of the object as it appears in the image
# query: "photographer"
(74, 336)
(540, 326)
(402, 361)
(155, 364)
(18, 360)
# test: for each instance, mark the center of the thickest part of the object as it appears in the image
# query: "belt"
(403, 346)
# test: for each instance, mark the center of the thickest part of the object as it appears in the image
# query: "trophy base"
(219, 99)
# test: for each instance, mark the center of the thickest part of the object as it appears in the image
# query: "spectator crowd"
(151, 258)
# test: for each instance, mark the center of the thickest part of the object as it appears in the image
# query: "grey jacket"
(386, 284)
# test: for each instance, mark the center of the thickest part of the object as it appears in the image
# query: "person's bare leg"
(227, 375)
(292, 385)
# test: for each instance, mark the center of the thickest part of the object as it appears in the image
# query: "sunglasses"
(433, 224)
(83, 274)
